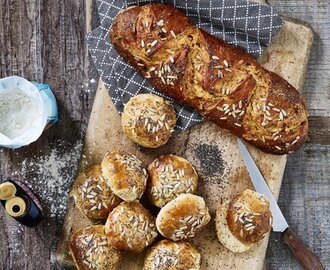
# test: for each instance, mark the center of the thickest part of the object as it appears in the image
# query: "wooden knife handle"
(303, 254)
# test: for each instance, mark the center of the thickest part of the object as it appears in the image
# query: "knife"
(303, 254)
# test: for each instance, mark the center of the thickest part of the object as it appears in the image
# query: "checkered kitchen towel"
(245, 24)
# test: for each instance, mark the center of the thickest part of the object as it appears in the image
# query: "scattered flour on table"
(18, 112)
(50, 176)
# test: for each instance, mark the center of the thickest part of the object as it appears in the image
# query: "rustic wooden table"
(44, 41)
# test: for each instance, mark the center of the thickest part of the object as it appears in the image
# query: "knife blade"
(259, 183)
(303, 254)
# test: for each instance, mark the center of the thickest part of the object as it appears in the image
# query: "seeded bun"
(148, 120)
(90, 249)
(92, 195)
(169, 255)
(243, 221)
(183, 217)
(130, 227)
(224, 234)
(170, 176)
(125, 175)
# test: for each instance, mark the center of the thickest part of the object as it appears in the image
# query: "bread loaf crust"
(222, 82)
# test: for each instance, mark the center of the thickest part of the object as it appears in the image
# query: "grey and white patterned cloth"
(248, 25)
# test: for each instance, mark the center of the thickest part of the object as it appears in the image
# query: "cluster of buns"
(111, 192)
(243, 221)
(148, 120)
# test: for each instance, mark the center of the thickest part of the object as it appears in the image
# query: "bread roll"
(170, 176)
(183, 217)
(243, 221)
(125, 175)
(148, 120)
(130, 227)
(93, 197)
(90, 250)
(168, 255)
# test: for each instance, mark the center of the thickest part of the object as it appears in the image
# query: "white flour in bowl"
(18, 112)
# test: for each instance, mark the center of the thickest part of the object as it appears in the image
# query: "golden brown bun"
(92, 195)
(222, 82)
(148, 120)
(224, 234)
(249, 217)
(169, 255)
(243, 221)
(130, 227)
(125, 175)
(90, 250)
(170, 176)
(183, 217)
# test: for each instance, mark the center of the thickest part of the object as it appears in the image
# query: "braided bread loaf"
(222, 82)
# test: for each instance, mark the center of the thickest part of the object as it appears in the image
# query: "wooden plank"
(305, 201)
(316, 89)
(42, 41)
(305, 195)
(223, 178)
(319, 131)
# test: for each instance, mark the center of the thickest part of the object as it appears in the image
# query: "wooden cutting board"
(212, 150)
